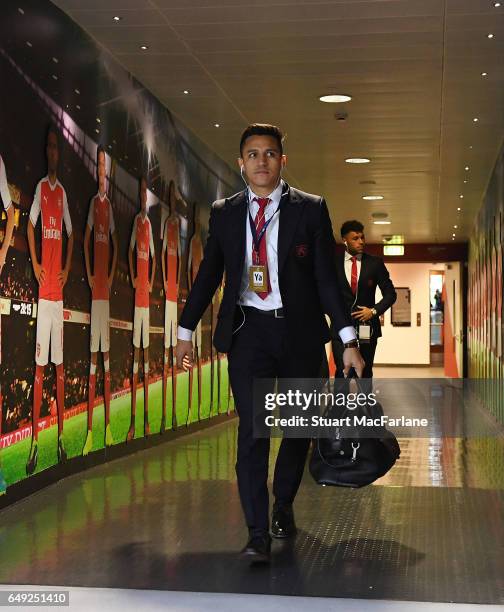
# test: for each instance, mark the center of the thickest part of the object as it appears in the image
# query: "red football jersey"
(171, 243)
(50, 202)
(142, 238)
(101, 218)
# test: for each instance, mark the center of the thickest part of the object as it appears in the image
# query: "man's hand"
(184, 352)
(363, 313)
(63, 277)
(91, 281)
(353, 359)
(39, 272)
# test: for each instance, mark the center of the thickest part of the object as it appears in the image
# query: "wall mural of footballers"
(79, 264)
(485, 293)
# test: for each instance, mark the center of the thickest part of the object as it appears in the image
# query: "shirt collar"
(274, 196)
(348, 257)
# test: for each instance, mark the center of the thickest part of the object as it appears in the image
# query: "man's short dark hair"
(262, 129)
(351, 226)
(51, 129)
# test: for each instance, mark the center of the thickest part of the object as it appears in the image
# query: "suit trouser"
(262, 349)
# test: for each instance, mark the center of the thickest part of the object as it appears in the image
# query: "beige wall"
(408, 345)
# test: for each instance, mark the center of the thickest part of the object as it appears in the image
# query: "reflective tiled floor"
(169, 518)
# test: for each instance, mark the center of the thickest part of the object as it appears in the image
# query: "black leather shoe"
(282, 522)
(257, 549)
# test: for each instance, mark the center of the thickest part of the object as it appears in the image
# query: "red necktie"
(261, 258)
(353, 283)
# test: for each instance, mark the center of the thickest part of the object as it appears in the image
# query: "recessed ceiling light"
(461, 196)
(466, 168)
(29, 43)
(77, 91)
(465, 182)
(55, 60)
(20, 10)
(372, 197)
(459, 209)
(497, 4)
(144, 47)
(54, 77)
(97, 130)
(357, 160)
(484, 74)
(335, 98)
(216, 124)
(470, 146)
(116, 18)
(77, 107)
(98, 120)
(453, 235)
(475, 119)
(455, 226)
(186, 92)
(382, 222)
(490, 35)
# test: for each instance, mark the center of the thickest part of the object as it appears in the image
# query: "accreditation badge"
(258, 278)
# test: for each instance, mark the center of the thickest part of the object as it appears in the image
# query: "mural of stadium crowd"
(106, 199)
(485, 300)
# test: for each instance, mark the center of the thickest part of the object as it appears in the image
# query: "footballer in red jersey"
(142, 241)
(100, 277)
(170, 264)
(50, 204)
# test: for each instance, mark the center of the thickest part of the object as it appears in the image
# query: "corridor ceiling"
(413, 68)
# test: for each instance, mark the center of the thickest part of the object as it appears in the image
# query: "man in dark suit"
(276, 246)
(358, 276)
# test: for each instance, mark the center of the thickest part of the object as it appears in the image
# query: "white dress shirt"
(250, 298)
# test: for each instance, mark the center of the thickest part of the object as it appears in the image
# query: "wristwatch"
(373, 310)
(352, 344)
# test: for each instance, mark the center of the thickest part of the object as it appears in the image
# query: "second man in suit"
(358, 275)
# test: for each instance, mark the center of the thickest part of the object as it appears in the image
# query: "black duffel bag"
(348, 457)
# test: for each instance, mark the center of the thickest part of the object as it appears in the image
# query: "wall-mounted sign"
(401, 311)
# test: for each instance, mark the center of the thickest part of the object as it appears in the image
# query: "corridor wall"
(53, 74)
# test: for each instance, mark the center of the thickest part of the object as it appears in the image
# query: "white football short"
(100, 326)
(170, 324)
(141, 327)
(49, 331)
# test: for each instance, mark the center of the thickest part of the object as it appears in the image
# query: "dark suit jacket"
(372, 273)
(306, 269)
